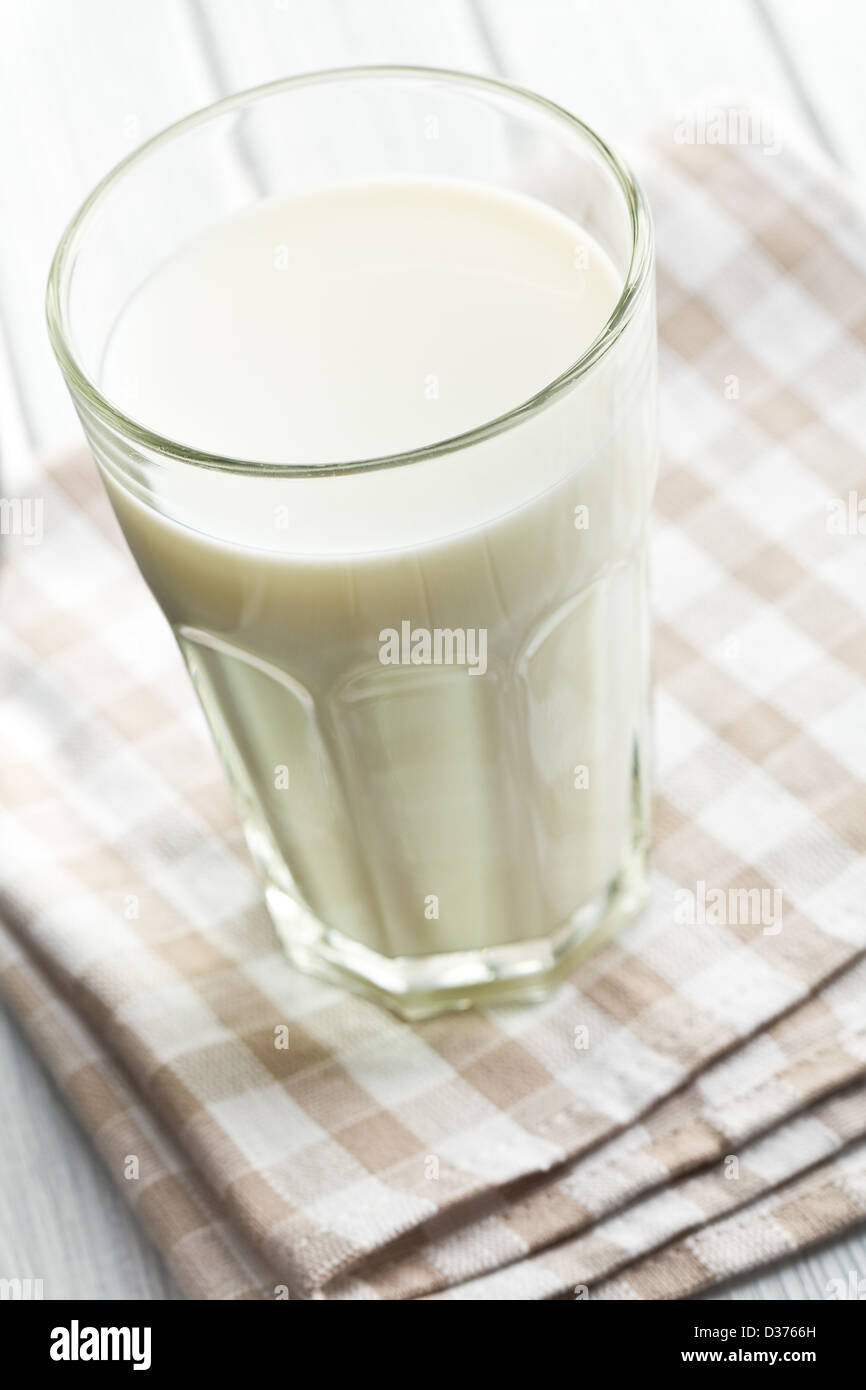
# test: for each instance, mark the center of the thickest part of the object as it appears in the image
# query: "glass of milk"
(367, 362)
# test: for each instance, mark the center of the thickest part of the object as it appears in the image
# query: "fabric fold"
(795, 1217)
(812, 1052)
(635, 1240)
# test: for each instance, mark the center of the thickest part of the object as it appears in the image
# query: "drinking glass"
(429, 834)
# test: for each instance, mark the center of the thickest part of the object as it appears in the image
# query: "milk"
(399, 799)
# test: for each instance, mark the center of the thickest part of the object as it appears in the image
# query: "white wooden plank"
(262, 40)
(61, 1218)
(629, 68)
(18, 468)
(80, 86)
(826, 47)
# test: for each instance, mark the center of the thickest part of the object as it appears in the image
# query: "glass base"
(417, 987)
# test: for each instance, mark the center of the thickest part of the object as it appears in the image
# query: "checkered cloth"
(722, 1094)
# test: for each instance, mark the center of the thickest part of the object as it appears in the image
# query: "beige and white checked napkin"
(717, 1118)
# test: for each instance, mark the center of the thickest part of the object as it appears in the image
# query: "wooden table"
(84, 81)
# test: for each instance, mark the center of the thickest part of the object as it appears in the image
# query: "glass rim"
(81, 384)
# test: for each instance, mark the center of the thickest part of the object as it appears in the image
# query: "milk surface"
(410, 800)
(359, 322)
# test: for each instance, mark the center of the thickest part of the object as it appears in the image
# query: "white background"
(84, 81)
